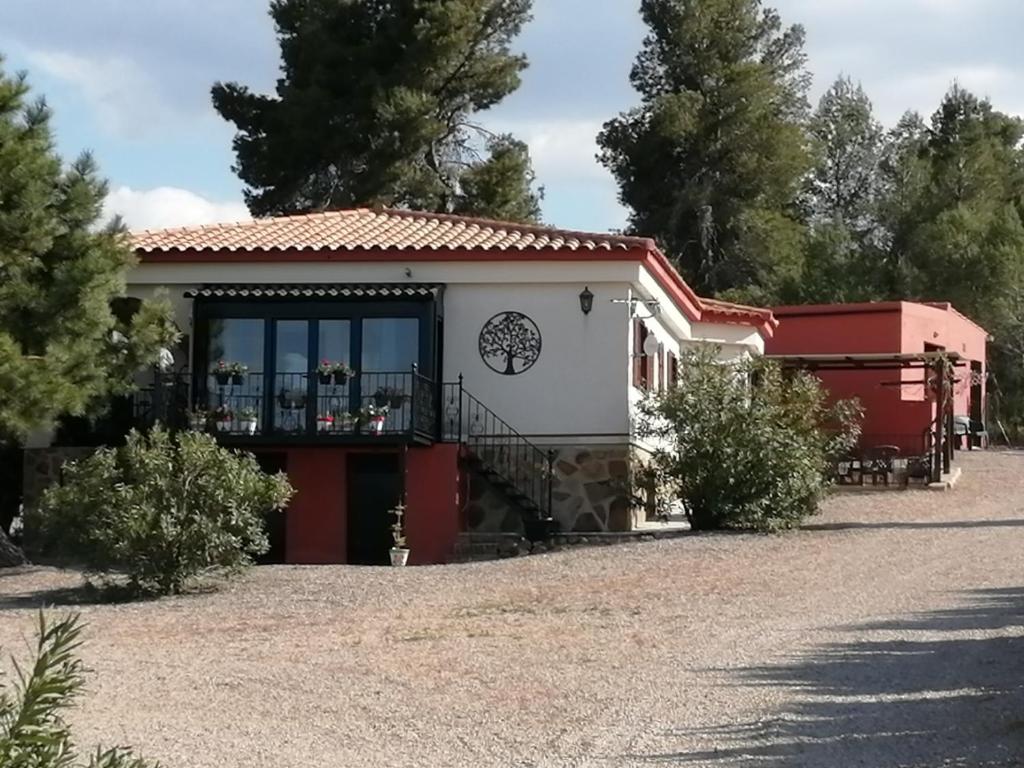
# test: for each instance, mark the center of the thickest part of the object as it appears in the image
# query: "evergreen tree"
(376, 105)
(62, 350)
(903, 181)
(842, 188)
(711, 162)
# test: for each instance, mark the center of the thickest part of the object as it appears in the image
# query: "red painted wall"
(896, 415)
(432, 503)
(316, 518)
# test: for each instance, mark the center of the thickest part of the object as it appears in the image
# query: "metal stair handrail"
(511, 457)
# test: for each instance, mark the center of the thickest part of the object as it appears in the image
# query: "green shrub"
(161, 510)
(33, 733)
(744, 445)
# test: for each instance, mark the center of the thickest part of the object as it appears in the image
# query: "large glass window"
(291, 369)
(237, 340)
(335, 341)
(390, 344)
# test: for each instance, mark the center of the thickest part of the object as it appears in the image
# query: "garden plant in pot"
(238, 371)
(399, 551)
(373, 417)
(197, 420)
(222, 373)
(389, 397)
(342, 373)
(222, 417)
(248, 419)
(343, 420)
(325, 372)
(324, 422)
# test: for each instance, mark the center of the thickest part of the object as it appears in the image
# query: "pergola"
(942, 366)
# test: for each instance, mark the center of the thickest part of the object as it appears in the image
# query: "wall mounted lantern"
(586, 301)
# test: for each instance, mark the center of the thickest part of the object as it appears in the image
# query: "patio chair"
(878, 462)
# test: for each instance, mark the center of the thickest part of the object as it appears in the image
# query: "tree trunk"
(10, 555)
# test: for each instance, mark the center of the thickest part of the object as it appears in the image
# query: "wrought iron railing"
(506, 456)
(293, 404)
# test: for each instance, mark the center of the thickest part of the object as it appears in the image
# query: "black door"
(374, 488)
(272, 463)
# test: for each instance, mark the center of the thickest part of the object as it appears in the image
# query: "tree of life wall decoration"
(510, 343)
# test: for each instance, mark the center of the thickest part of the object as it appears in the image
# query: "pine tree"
(377, 105)
(61, 348)
(842, 189)
(711, 162)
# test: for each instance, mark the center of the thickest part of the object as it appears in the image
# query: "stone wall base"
(596, 490)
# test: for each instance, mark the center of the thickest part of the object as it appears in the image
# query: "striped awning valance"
(317, 291)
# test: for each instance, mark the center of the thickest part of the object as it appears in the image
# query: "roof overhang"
(408, 291)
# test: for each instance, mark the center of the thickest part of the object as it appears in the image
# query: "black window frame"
(427, 311)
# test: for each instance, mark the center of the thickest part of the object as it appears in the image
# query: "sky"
(130, 81)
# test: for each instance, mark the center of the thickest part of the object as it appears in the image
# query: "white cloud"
(126, 100)
(169, 207)
(562, 150)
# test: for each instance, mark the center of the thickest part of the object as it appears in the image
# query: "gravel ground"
(889, 633)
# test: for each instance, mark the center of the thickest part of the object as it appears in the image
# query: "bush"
(33, 734)
(162, 510)
(744, 445)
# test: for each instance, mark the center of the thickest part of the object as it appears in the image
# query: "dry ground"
(889, 633)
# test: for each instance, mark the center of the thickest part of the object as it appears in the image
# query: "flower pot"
(342, 424)
(376, 424)
(396, 402)
(399, 557)
(223, 426)
(238, 378)
(223, 379)
(341, 378)
(323, 425)
(249, 426)
(325, 378)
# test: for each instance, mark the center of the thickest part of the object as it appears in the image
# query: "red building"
(898, 409)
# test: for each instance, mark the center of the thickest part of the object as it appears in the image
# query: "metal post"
(413, 401)
(940, 401)
(552, 453)
(460, 408)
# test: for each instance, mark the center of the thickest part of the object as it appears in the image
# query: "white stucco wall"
(580, 387)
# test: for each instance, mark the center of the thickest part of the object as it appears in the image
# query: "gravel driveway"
(889, 633)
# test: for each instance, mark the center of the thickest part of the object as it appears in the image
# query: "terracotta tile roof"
(726, 312)
(389, 230)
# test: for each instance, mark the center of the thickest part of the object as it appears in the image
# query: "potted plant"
(400, 550)
(222, 373)
(374, 416)
(325, 371)
(292, 400)
(197, 420)
(222, 417)
(248, 420)
(324, 422)
(238, 371)
(342, 373)
(389, 397)
(343, 421)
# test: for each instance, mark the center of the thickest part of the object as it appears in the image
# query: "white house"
(488, 372)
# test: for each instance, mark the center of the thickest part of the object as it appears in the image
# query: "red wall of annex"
(896, 409)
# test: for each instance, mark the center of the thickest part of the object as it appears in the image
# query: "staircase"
(520, 470)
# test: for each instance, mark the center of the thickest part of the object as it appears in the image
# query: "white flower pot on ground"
(249, 426)
(399, 556)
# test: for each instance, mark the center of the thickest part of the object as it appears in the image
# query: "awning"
(317, 291)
